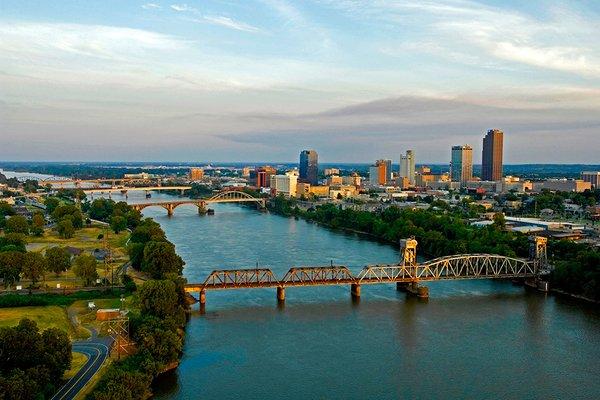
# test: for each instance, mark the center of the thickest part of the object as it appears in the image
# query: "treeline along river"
(471, 339)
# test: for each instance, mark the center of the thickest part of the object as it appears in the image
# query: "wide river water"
(470, 340)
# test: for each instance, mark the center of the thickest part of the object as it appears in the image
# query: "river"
(471, 339)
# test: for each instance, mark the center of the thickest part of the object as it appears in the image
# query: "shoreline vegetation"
(156, 305)
(445, 232)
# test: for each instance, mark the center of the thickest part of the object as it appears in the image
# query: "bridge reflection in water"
(407, 274)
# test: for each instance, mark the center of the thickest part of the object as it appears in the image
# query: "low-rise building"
(562, 185)
(331, 171)
(593, 177)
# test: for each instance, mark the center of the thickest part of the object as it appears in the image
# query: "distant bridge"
(407, 274)
(125, 189)
(99, 181)
(230, 196)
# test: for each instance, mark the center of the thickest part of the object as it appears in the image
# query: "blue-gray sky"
(259, 80)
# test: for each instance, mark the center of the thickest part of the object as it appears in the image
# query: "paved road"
(97, 350)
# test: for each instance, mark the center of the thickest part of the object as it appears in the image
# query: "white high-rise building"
(285, 184)
(407, 166)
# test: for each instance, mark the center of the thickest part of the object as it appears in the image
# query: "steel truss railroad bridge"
(407, 274)
(230, 196)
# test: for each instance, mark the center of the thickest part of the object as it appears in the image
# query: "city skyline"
(174, 81)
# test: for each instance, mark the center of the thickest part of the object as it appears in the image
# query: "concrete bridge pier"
(280, 294)
(355, 290)
(413, 288)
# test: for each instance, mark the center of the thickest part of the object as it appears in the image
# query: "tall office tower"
(491, 157)
(461, 166)
(407, 166)
(388, 170)
(309, 166)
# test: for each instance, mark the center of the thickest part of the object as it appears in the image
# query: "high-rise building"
(196, 174)
(309, 166)
(491, 157)
(593, 177)
(374, 175)
(407, 166)
(461, 166)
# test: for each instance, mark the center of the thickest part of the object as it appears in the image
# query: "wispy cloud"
(230, 23)
(183, 8)
(473, 32)
(151, 6)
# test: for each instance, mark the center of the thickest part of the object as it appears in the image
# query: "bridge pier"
(355, 290)
(413, 288)
(280, 294)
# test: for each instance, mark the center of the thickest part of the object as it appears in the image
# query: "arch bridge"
(407, 274)
(229, 196)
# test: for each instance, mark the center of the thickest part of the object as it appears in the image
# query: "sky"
(260, 80)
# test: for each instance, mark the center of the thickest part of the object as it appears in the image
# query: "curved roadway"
(97, 350)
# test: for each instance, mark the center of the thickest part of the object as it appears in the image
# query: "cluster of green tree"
(16, 263)
(157, 328)
(20, 225)
(438, 233)
(68, 217)
(151, 252)
(119, 215)
(32, 363)
(577, 268)
(199, 191)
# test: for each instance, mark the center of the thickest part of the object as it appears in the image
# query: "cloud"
(183, 8)
(151, 6)
(474, 33)
(230, 23)
(49, 41)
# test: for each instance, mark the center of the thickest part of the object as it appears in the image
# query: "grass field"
(45, 317)
(87, 240)
(79, 359)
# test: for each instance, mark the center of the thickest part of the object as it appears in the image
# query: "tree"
(51, 204)
(11, 263)
(136, 254)
(6, 209)
(159, 298)
(37, 224)
(69, 211)
(85, 268)
(65, 229)
(31, 364)
(101, 209)
(160, 258)
(13, 242)
(34, 266)
(499, 221)
(58, 259)
(121, 384)
(17, 224)
(118, 223)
